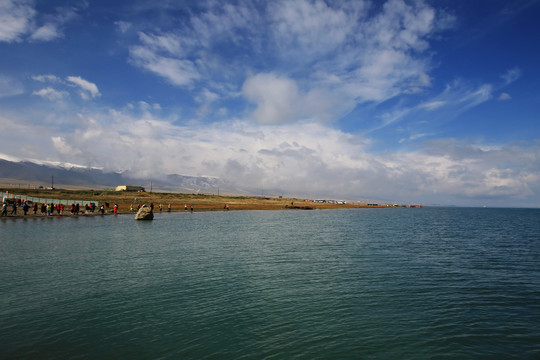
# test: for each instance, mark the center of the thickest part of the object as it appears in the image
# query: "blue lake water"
(431, 283)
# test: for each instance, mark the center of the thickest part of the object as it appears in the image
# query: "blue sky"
(408, 101)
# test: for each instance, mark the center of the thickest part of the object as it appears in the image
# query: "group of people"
(13, 208)
(45, 209)
(49, 209)
(14, 205)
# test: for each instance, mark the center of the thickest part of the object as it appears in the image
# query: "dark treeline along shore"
(101, 202)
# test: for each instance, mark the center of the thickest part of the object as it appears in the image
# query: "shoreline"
(109, 212)
(176, 201)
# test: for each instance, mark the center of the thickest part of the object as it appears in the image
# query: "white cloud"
(47, 78)
(459, 96)
(432, 105)
(456, 98)
(413, 137)
(478, 96)
(373, 58)
(337, 55)
(123, 26)
(504, 96)
(50, 93)
(309, 159)
(46, 32)
(511, 75)
(15, 19)
(386, 54)
(279, 100)
(310, 28)
(276, 98)
(63, 148)
(53, 24)
(10, 158)
(87, 89)
(177, 71)
(222, 22)
(168, 43)
(10, 86)
(20, 21)
(206, 98)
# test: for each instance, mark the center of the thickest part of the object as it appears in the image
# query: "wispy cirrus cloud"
(87, 89)
(20, 21)
(178, 72)
(313, 28)
(10, 86)
(15, 19)
(54, 24)
(123, 26)
(504, 96)
(46, 32)
(432, 105)
(461, 96)
(347, 50)
(50, 93)
(511, 75)
(457, 97)
(47, 78)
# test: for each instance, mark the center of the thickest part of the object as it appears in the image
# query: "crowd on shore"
(13, 208)
(21, 208)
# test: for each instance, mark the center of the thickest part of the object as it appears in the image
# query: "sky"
(429, 102)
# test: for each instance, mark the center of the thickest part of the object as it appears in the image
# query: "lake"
(430, 283)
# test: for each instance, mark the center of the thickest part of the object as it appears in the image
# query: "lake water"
(431, 283)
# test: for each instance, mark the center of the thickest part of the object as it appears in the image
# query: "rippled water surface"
(431, 283)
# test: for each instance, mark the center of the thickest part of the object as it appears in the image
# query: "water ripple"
(394, 283)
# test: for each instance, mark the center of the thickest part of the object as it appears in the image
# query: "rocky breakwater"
(144, 213)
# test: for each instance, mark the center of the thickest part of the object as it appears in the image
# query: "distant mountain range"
(27, 173)
(46, 175)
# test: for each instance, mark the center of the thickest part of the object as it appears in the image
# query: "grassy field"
(178, 201)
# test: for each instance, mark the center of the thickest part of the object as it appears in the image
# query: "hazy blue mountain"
(62, 175)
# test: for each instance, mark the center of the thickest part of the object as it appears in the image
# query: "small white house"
(129, 188)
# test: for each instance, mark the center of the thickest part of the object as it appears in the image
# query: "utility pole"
(52, 182)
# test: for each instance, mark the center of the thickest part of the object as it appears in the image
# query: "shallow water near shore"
(338, 284)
